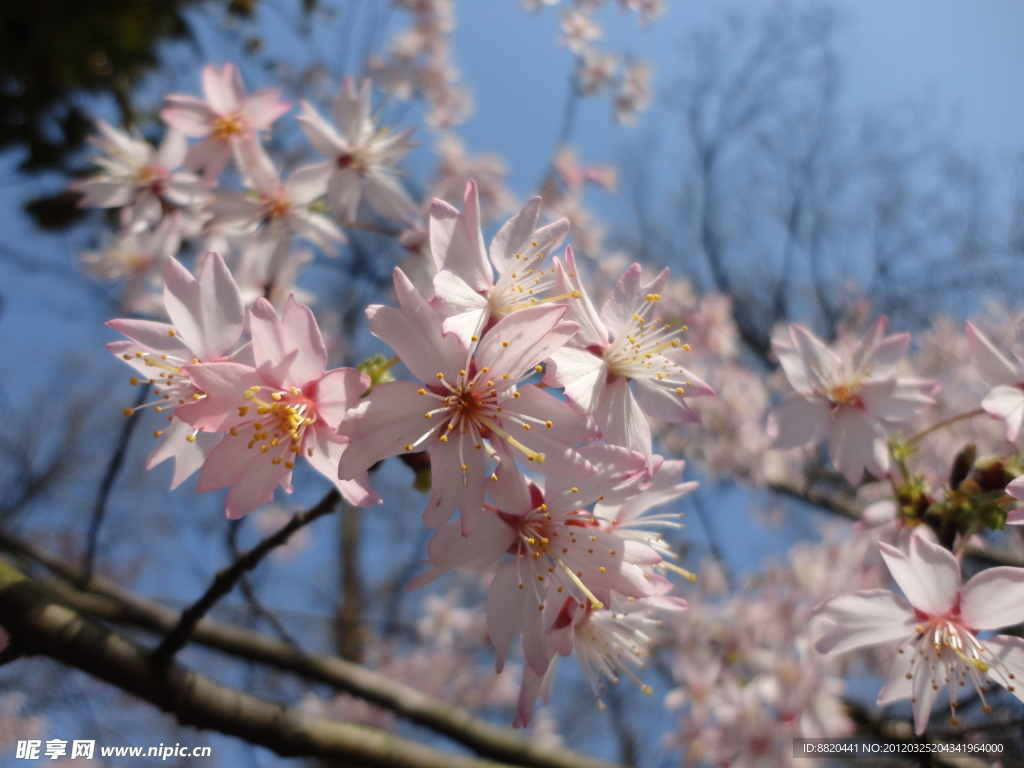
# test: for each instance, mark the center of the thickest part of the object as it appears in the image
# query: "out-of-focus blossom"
(456, 168)
(595, 71)
(634, 95)
(1006, 400)
(280, 208)
(579, 29)
(846, 396)
(363, 157)
(225, 120)
(937, 624)
(135, 176)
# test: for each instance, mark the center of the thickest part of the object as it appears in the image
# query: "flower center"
(226, 126)
(286, 414)
(637, 352)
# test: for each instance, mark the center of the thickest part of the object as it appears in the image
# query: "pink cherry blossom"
(846, 396)
(284, 406)
(225, 121)
(1006, 400)
(206, 322)
(363, 157)
(466, 293)
(625, 343)
(281, 209)
(136, 176)
(937, 626)
(468, 395)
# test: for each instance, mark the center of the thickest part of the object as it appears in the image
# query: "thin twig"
(945, 423)
(99, 509)
(226, 579)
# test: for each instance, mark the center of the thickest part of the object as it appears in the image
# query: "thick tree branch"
(36, 621)
(111, 602)
(226, 579)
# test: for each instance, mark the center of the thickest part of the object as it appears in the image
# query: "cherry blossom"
(225, 121)
(135, 175)
(206, 323)
(283, 406)
(625, 343)
(466, 293)
(937, 626)
(363, 157)
(846, 396)
(468, 395)
(1006, 400)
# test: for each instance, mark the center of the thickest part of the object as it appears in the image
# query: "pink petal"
(993, 598)
(457, 242)
(1009, 652)
(328, 448)
(344, 189)
(321, 134)
(289, 351)
(627, 297)
(521, 340)
(929, 576)
(896, 687)
(991, 364)
(150, 336)
(815, 357)
(339, 390)
(250, 473)
(1016, 488)
(897, 399)
(662, 403)
(451, 486)
(206, 310)
(188, 456)
(864, 618)
(621, 420)
(513, 233)
(223, 89)
(188, 114)
(387, 420)
(224, 383)
(264, 107)
(414, 332)
(797, 421)
(1006, 403)
(504, 610)
(465, 311)
(449, 549)
(592, 330)
(856, 442)
(925, 693)
(581, 373)
(388, 197)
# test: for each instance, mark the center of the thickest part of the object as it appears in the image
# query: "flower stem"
(945, 423)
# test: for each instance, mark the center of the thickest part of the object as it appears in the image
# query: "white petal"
(863, 618)
(929, 576)
(994, 598)
(797, 421)
(1006, 403)
(990, 363)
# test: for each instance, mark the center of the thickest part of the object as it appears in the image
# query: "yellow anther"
(255, 388)
(127, 411)
(276, 460)
(439, 375)
(686, 347)
(474, 338)
(462, 373)
(504, 343)
(158, 433)
(504, 375)
(133, 381)
(444, 438)
(421, 391)
(515, 394)
(172, 332)
(190, 438)
(264, 448)
(276, 395)
(158, 409)
(426, 415)
(679, 390)
(526, 427)
(549, 424)
(309, 451)
(538, 368)
(408, 446)
(576, 294)
(464, 467)
(290, 464)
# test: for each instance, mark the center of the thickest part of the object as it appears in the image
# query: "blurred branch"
(99, 509)
(107, 600)
(837, 504)
(35, 620)
(226, 579)
(348, 625)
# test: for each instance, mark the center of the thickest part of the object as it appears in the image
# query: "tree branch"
(36, 621)
(111, 602)
(226, 579)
